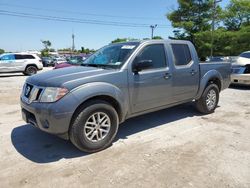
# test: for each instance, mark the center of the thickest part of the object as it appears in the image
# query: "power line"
(75, 20)
(79, 13)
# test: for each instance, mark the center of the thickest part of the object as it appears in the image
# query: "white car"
(26, 63)
(241, 69)
(244, 58)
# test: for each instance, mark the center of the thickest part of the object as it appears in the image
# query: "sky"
(25, 33)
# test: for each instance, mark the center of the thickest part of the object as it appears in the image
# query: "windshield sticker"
(128, 47)
(118, 63)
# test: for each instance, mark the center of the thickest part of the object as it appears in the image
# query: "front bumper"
(242, 79)
(53, 118)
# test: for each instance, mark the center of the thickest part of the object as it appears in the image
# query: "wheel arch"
(28, 65)
(101, 91)
(109, 99)
(211, 76)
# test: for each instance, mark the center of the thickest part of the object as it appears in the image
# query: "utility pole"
(152, 30)
(73, 42)
(213, 26)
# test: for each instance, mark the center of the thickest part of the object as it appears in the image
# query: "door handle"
(167, 76)
(193, 72)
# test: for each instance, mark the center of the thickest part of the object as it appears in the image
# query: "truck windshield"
(113, 56)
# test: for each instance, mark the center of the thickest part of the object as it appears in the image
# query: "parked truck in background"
(86, 104)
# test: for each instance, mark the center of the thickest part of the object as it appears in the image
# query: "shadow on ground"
(41, 147)
(239, 87)
(11, 75)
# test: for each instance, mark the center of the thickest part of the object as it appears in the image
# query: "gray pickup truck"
(86, 104)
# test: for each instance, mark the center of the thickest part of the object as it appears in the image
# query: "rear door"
(7, 63)
(185, 72)
(19, 62)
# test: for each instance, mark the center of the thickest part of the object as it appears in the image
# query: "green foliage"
(45, 53)
(46, 50)
(226, 43)
(119, 40)
(1, 51)
(86, 50)
(46, 43)
(157, 37)
(192, 16)
(236, 14)
(192, 22)
(52, 50)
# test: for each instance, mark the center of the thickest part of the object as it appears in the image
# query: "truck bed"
(224, 68)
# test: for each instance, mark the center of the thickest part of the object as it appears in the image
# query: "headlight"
(52, 94)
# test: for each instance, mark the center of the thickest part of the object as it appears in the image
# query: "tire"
(30, 70)
(207, 103)
(82, 127)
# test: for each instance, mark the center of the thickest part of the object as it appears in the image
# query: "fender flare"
(210, 75)
(95, 89)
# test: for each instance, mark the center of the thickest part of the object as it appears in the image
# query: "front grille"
(31, 93)
(27, 90)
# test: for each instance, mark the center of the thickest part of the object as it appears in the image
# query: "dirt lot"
(176, 147)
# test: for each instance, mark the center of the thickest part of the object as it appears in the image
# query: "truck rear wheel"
(94, 126)
(207, 103)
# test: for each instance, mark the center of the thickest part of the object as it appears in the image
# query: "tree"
(119, 40)
(86, 50)
(192, 22)
(1, 51)
(191, 17)
(46, 50)
(226, 43)
(46, 43)
(237, 14)
(157, 37)
(123, 40)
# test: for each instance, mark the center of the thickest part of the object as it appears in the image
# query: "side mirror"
(142, 64)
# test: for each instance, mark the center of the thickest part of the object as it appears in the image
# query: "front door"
(151, 87)
(7, 63)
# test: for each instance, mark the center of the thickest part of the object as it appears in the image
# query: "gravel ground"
(176, 147)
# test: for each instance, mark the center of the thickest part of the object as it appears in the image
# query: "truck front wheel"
(94, 126)
(207, 103)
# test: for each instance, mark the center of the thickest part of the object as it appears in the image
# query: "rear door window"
(18, 56)
(182, 54)
(28, 57)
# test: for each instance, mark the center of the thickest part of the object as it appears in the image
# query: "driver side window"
(155, 53)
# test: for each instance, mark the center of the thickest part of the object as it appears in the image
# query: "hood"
(60, 77)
